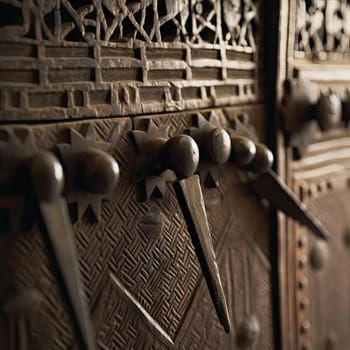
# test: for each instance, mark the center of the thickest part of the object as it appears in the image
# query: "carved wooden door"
(136, 191)
(116, 258)
(315, 274)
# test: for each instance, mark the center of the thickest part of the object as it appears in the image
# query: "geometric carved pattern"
(195, 21)
(83, 200)
(108, 58)
(323, 28)
(240, 20)
(246, 285)
(138, 265)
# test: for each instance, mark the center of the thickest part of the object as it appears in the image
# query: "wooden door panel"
(35, 310)
(73, 71)
(243, 251)
(139, 270)
(88, 59)
(322, 280)
(314, 274)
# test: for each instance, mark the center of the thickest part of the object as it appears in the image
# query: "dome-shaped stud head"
(100, 171)
(262, 161)
(319, 255)
(180, 154)
(46, 175)
(243, 150)
(248, 332)
(328, 111)
(219, 146)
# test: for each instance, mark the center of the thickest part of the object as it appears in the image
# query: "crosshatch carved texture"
(85, 59)
(136, 277)
(105, 58)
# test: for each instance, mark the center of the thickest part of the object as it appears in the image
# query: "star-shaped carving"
(146, 168)
(208, 172)
(75, 194)
(16, 139)
(241, 126)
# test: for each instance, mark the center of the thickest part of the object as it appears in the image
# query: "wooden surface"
(98, 59)
(89, 72)
(139, 269)
(314, 299)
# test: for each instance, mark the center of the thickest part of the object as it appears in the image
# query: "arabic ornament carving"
(151, 21)
(322, 28)
(240, 19)
(88, 58)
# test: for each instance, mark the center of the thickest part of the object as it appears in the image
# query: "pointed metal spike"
(59, 230)
(189, 195)
(279, 195)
